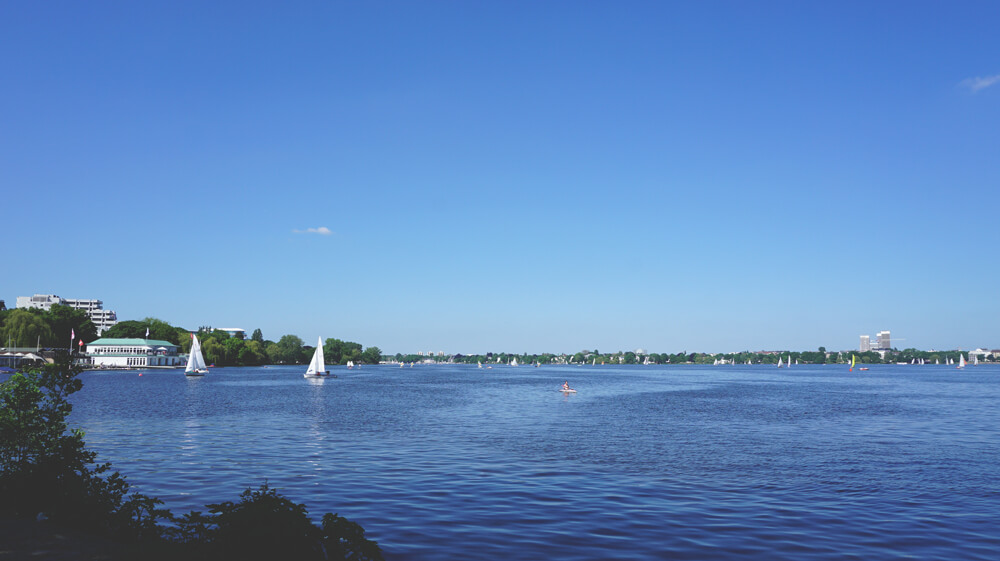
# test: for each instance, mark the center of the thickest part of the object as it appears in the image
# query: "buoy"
(140, 373)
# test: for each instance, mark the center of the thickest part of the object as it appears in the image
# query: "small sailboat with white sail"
(196, 362)
(961, 361)
(780, 365)
(317, 366)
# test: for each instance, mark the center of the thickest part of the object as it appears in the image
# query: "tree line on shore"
(223, 349)
(820, 356)
(28, 327)
(53, 328)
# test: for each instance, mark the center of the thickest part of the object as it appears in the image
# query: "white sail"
(317, 366)
(513, 362)
(480, 363)
(975, 360)
(196, 362)
(961, 361)
(779, 362)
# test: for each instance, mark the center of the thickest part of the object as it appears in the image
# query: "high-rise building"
(883, 341)
(102, 319)
(866, 343)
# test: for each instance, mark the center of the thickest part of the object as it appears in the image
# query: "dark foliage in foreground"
(46, 468)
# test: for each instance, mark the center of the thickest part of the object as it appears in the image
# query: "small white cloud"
(322, 230)
(978, 83)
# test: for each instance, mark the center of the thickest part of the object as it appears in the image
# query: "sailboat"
(196, 362)
(779, 363)
(480, 363)
(350, 364)
(317, 366)
(975, 360)
(513, 362)
(961, 361)
(851, 369)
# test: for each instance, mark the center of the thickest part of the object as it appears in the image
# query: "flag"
(72, 335)
(147, 333)
(80, 343)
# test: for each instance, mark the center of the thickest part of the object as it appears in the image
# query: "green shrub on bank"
(46, 468)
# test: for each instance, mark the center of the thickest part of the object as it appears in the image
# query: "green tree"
(273, 352)
(22, 328)
(372, 355)
(213, 351)
(158, 330)
(64, 320)
(257, 336)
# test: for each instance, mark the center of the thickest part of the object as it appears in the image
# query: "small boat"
(568, 391)
(513, 362)
(779, 363)
(863, 368)
(851, 369)
(350, 364)
(196, 362)
(480, 363)
(317, 366)
(961, 361)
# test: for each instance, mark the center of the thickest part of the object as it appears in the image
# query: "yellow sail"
(852, 364)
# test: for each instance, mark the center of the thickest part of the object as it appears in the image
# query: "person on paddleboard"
(566, 385)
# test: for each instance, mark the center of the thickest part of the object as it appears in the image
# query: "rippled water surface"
(454, 462)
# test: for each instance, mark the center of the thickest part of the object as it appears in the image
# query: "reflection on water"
(454, 462)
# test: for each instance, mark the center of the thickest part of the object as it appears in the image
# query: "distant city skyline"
(511, 176)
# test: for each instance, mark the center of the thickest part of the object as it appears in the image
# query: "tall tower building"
(866, 343)
(883, 341)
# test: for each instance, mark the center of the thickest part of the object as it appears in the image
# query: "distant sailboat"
(196, 362)
(961, 361)
(851, 369)
(480, 363)
(779, 362)
(513, 361)
(350, 364)
(317, 366)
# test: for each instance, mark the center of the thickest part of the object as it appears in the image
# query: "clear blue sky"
(511, 176)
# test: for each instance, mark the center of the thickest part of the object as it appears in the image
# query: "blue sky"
(511, 176)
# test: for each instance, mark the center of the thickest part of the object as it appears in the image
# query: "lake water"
(450, 462)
